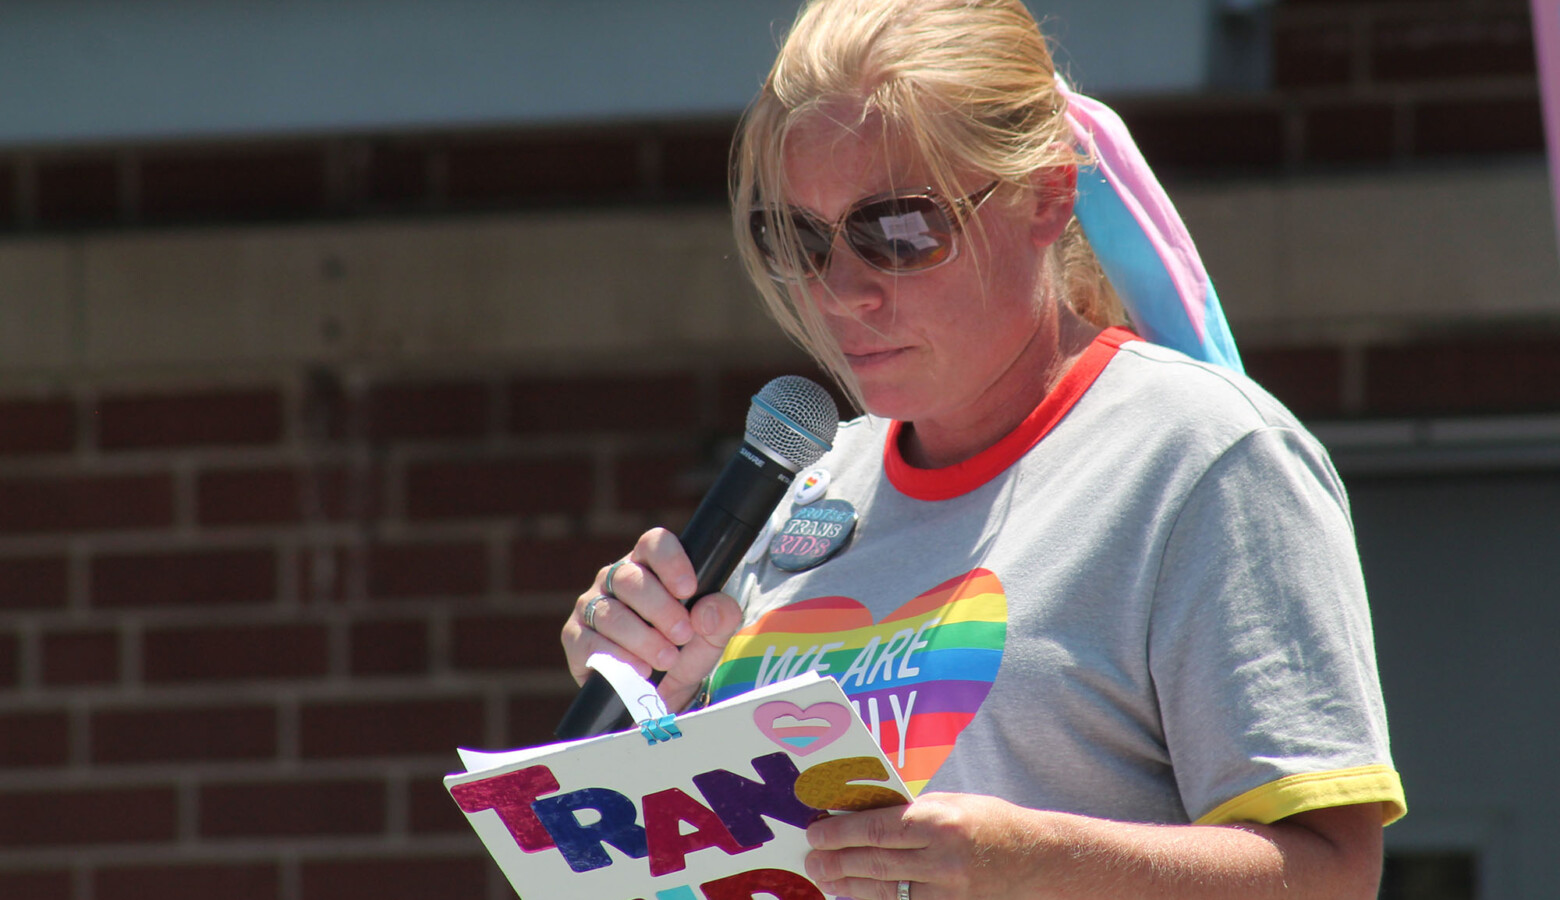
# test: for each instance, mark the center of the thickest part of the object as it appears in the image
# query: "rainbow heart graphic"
(916, 678)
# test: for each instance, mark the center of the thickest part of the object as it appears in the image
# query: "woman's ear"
(1055, 188)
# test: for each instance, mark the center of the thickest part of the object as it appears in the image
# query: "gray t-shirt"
(1145, 604)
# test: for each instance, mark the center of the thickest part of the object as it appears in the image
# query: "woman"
(1103, 608)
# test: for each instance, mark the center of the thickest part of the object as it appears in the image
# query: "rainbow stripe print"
(916, 678)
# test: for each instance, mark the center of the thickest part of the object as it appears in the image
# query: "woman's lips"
(865, 359)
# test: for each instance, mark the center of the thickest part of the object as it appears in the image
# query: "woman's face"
(948, 348)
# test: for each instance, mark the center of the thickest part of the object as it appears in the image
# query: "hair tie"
(1141, 242)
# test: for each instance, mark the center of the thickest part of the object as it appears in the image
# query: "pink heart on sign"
(808, 730)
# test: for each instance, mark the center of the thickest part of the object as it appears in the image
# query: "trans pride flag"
(1546, 40)
(1141, 241)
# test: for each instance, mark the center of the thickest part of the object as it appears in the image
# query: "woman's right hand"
(644, 623)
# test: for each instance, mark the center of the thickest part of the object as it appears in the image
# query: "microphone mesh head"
(795, 418)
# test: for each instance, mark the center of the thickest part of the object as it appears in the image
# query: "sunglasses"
(897, 232)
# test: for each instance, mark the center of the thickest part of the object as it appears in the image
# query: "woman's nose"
(850, 286)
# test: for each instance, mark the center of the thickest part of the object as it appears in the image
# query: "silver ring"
(589, 615)
(606, 583)
(904, 890)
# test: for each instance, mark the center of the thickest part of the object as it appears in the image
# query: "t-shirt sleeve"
(1260, 642)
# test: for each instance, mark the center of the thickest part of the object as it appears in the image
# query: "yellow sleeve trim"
(1315, 790)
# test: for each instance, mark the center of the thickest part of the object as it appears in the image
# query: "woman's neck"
(949, 440)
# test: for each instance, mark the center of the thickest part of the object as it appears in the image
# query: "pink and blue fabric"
(1141, 242)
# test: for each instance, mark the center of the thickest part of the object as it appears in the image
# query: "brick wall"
(243, 629)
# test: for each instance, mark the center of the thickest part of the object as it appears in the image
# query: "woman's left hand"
(948, 846)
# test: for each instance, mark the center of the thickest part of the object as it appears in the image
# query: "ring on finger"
(589, 615)
(606, 583)
(904, 890)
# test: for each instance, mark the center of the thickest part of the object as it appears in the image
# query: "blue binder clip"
(658, 730)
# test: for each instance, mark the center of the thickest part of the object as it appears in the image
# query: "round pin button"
(813, 535)
(810, 486)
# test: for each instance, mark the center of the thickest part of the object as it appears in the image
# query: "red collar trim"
(963, 477)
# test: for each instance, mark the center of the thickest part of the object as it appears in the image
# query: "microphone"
(789, 427)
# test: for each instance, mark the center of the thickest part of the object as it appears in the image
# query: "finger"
(716, 617)
(662, 553)
(580, 642)
(623, 626)
(889, 827)
(638, 588)
(862, 873)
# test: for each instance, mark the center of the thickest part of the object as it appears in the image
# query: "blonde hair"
(968, 84)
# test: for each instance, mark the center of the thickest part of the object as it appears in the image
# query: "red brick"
(497, 487)
(647, 482)
(189, 578)
(42, 885)
(507, 642)
(389, 648)
(72, 658)
(1474, 376)
(229, 183)
(85, 503)
(398, 878)
(562, 565)
(410, 411)
(34, 739)
(1209, 136)
(533, 718)
(277, 496)
(427, 570)
(10, 660)
(213, 418)
(57, 817)
(229, 653)
(695, 162)
(34, 582)
(9, 205)
(430, 810)
(227, 881)
(29, 427)
(1309, 380)
(1365, 132)
(1442, 45)
(636, 403)
(82, 191)
(276, 809)
(1309, 54)
(390, 728)
(528, 168)
(185, 734)
(1477, 127)
(398, 172)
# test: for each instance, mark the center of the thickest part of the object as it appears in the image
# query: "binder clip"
(659, 730)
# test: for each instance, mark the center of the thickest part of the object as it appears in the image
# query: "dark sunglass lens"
(900, 234)
(813, 245)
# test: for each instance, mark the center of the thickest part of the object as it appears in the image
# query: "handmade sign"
(709, 805)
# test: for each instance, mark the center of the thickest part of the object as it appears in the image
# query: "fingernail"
(666, 659)
(710, 619)
(682, 632)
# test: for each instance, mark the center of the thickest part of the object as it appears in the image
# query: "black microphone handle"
(716, 538)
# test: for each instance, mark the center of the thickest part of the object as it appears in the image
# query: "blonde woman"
(1102, 604)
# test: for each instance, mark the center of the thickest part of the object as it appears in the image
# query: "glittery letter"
(581, 844)
(777, 883)
(828, 785)
(510, 796)
(665, 811)
(741, 802)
